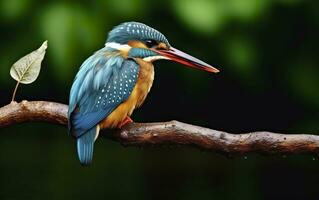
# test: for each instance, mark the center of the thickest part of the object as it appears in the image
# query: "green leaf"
(26, 70)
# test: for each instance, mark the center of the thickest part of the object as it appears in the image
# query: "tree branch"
(173, 132)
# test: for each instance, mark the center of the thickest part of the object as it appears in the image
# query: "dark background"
(267, 52)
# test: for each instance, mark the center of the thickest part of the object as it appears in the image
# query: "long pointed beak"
(185, 59)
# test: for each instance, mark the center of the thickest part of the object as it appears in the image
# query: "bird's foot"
(126, 121)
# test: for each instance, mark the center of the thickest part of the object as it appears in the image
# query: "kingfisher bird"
(116, 79)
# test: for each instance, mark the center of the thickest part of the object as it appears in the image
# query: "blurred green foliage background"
(267, 52)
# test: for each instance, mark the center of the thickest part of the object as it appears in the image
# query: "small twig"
(173, 132)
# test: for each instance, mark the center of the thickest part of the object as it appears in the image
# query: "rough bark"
(172, 132)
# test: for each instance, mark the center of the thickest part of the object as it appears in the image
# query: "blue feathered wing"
(104, 81)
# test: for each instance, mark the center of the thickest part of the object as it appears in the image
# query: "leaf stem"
(15, 91)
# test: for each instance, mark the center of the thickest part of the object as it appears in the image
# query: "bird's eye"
(151, 43)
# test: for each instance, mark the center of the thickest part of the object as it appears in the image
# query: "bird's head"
(137, 40)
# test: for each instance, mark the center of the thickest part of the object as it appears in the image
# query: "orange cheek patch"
(137, 44)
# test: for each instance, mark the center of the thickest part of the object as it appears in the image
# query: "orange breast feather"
(137, 97)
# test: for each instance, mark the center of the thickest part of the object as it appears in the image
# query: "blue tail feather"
(85, 146)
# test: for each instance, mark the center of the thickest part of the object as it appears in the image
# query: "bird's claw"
(126, 121)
